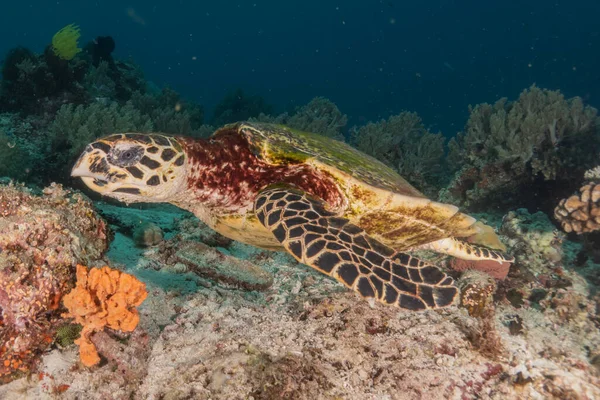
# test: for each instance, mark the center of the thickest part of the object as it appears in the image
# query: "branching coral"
(98, 82)
(321, 116)
(34, 83)
(103, 298)
(541, 136)
(580, 213)
(403, 142)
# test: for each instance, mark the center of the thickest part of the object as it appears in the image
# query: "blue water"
(372, 58)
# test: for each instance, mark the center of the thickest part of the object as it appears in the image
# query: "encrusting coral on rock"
(580, 213)
(533, 240)
(43, 238)
(103, 297)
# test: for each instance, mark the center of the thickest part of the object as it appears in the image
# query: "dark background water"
(372, 58)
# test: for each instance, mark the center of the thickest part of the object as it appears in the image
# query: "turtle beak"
(81, 169)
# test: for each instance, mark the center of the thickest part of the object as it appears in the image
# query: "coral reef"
(128, 356)
(287, 377)
(403, 142)
(103, 297)
(127, 219)
(98, 83)
(580, 213)
(43, 238)
(539, 140)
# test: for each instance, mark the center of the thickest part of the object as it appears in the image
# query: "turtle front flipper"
(335, 247)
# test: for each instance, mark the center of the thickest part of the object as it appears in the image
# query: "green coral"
(403, 143)
(98, 83)
(67, 334)
(169, 113)
(76, 126)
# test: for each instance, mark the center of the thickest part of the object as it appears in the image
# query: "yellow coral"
(103, 297)
(64, 42)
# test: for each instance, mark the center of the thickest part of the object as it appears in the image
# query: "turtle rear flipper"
(334, 246)
(466, 251)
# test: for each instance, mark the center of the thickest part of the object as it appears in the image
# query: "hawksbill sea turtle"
(330, 206)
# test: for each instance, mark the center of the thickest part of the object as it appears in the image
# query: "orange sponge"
(103, 297)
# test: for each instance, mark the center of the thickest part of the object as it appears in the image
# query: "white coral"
(592, 174)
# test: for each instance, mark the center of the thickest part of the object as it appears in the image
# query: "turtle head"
(133, 167)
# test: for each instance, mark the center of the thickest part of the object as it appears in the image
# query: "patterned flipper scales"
(335, 247)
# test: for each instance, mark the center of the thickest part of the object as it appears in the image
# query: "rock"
(209, 262)
(147, 234)
(537, 295)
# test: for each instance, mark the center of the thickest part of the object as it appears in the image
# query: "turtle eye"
(125, 156)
